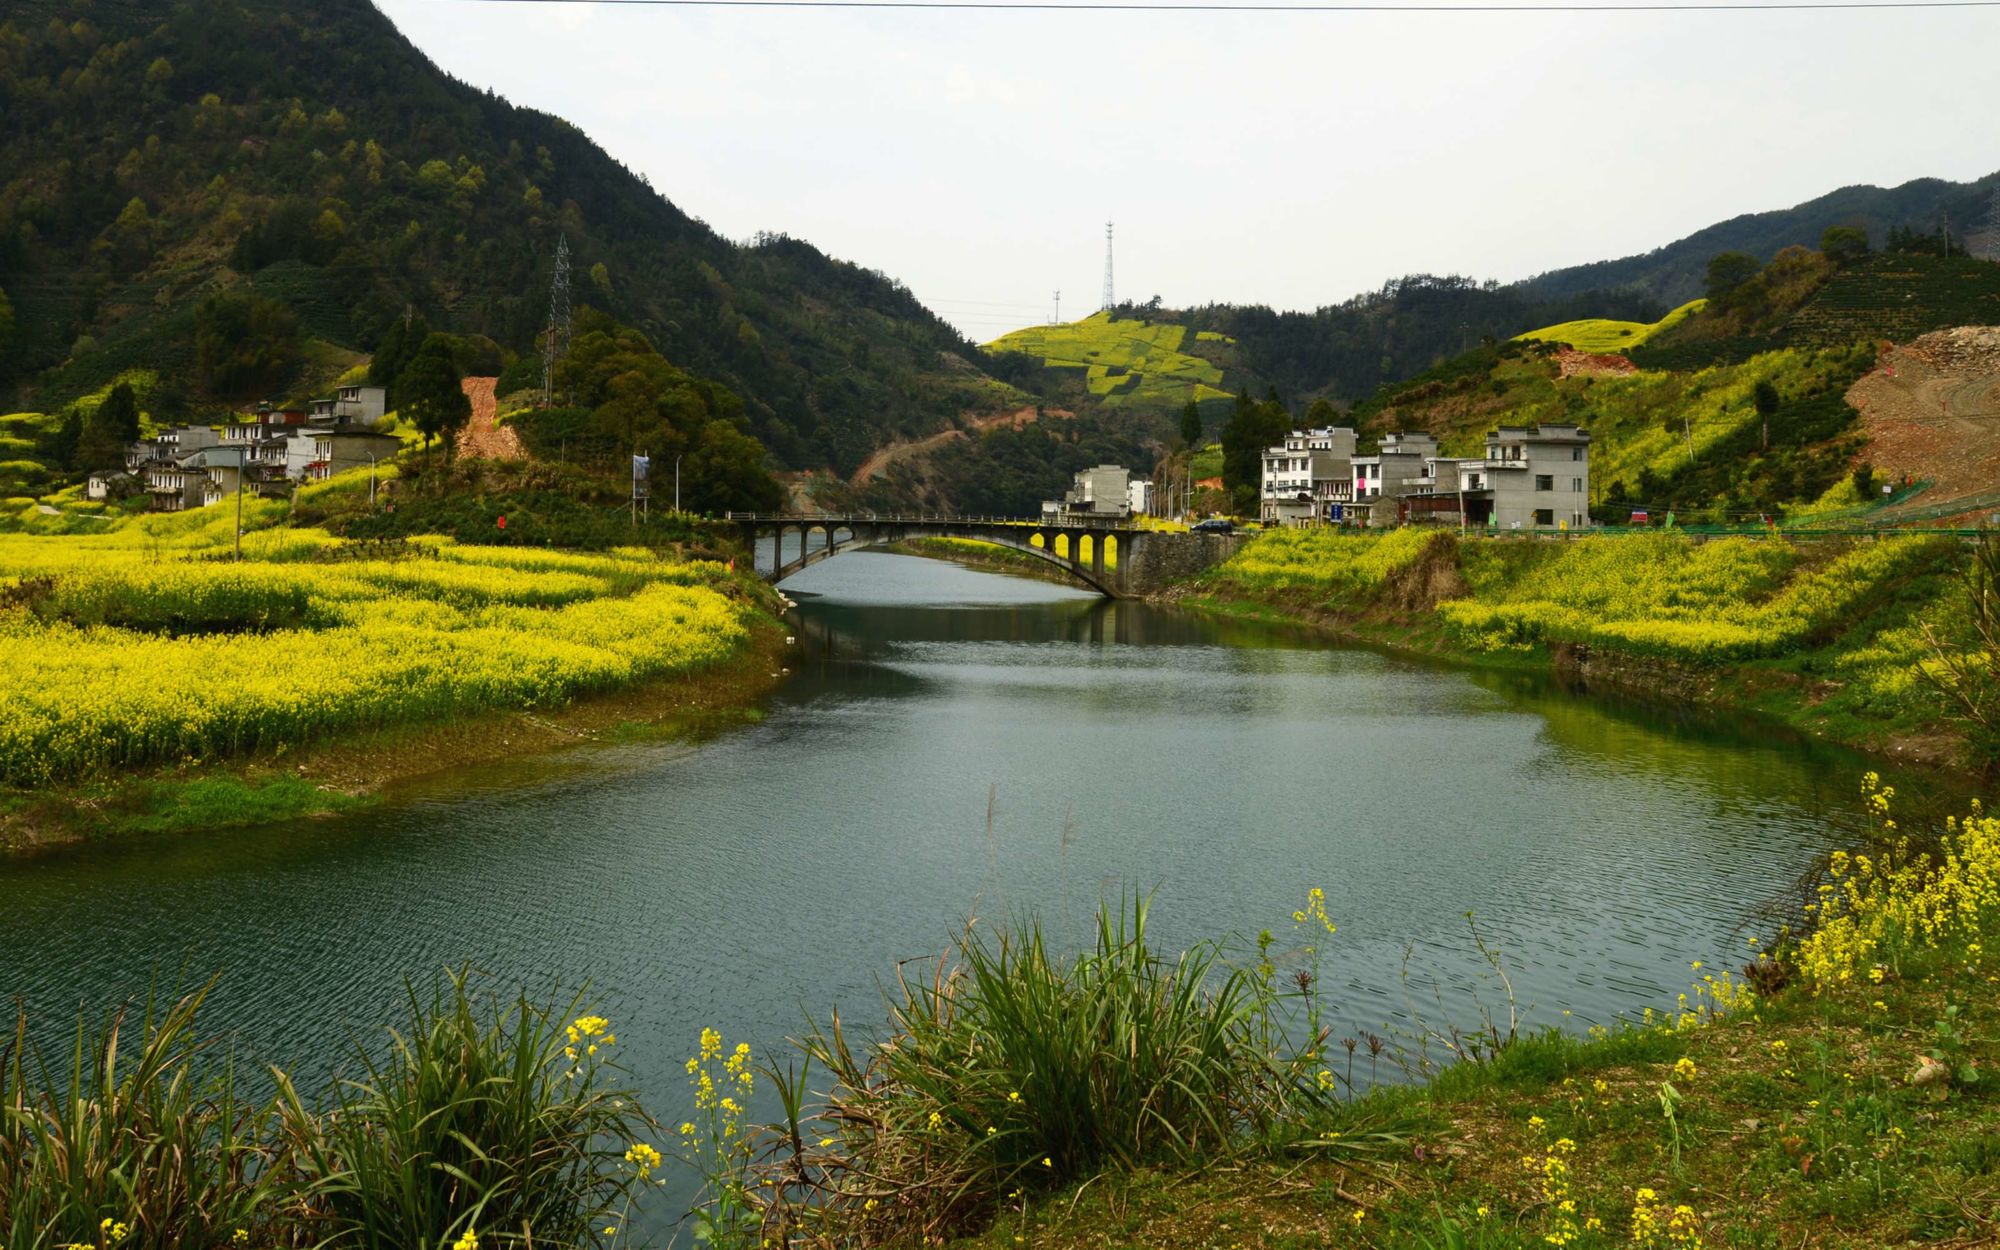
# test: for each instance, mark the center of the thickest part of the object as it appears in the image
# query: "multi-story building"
(1307, 477)
(336, 451)
(1531, 477)
(1101, 494)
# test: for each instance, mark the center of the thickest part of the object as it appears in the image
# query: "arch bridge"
(1120, 561)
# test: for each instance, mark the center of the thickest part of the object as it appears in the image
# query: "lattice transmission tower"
(555, 339)
(1991, 225)
(1110, 295)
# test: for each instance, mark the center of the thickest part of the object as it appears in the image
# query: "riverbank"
(373, 767)
(1827, 641)
(1838, 1092)
(164, 686)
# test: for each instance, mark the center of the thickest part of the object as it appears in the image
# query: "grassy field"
(1600, 335)
(1124, 361)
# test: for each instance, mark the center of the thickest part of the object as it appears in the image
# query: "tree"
(1766, 399)
(1843, 245)
(1727, 272)
(429, 393)
(1320, 414)
(244, 343)
(1251, 428)
(397, 347)
(111, 427)
(726, 473)
(1191, 424)
(1864, 480)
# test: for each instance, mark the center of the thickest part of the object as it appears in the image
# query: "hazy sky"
(1288, 159)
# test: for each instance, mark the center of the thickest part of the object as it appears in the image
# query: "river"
(784, 867)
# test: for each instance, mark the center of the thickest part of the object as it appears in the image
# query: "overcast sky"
(1287, 159)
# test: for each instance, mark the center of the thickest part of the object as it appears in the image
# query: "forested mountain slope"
(152, 153)
(1672, 274)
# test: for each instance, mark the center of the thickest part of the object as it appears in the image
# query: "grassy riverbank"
(1836, 639)
(1841, 1092)
(161, 684)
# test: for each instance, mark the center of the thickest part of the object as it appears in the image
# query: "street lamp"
(677, 485)
(371, 479)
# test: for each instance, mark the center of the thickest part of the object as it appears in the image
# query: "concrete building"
(1139, 496)
(1308, 477)
(1102, 493)
(1394, 473)
(336, 451)
(360, 405)
(1531, 477)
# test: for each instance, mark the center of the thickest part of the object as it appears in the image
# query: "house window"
(1545, 516)
(1576, 484)
(1545, 481)
(1576, 453)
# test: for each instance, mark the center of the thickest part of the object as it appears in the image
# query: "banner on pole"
(641, 467)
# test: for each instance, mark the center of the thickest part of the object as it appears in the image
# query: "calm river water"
(785, 867)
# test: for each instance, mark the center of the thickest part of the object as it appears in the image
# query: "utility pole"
(1110, 295)
(555, 339)
(1055, 318)
(240, 470)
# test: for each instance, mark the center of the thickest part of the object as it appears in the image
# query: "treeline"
(311, 155)
(1348, 351)
(1009, 472)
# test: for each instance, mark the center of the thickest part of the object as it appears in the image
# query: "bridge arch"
(857, 536)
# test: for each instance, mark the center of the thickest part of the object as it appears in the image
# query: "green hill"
(1673, 273)
(151, 154)
(1125, 361)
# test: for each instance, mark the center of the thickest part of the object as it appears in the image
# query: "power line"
(1211, 6)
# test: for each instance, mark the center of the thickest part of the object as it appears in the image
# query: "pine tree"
(1191, 424)
(428, 393)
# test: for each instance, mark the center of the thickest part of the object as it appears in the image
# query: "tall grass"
(499, 1120)
(1010, 1070)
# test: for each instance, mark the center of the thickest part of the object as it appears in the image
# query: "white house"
(1307, 477)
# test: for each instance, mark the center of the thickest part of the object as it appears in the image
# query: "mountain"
(152, 154)
(1672, 274)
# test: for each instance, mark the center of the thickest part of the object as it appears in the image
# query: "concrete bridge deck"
(1116, 559)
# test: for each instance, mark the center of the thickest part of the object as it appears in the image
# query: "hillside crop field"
(1848, 619)
(146, 644)
(1124, 361)
(1596, 334)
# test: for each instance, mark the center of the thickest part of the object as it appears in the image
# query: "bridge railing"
(924, 518)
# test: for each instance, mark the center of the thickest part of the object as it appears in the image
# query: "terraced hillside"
(1125, 361)
(1900, 297)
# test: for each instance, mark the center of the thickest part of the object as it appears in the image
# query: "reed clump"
(485, 1123)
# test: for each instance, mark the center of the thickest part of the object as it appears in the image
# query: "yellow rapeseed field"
(147, 644)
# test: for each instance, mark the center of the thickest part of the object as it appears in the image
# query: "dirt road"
(483, 436)
(878, 463)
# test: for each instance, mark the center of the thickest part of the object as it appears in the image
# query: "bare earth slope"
(1932, 411)
(482, 435)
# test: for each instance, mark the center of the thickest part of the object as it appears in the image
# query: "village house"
(1308, 478)
(1100, 495)
(1531, 477)
(336, 451)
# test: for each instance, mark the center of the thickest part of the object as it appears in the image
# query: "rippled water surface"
(787, 866)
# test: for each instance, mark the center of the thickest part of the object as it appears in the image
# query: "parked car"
(1214, 525)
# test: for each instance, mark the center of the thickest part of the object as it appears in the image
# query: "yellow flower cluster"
(1315, 910)
(125, 655)
(644, 1158)
(1656, 1224)
(1880, 908)
(1326, 560)
(1670, 596)
(1551, 1172)
(588, 1032)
